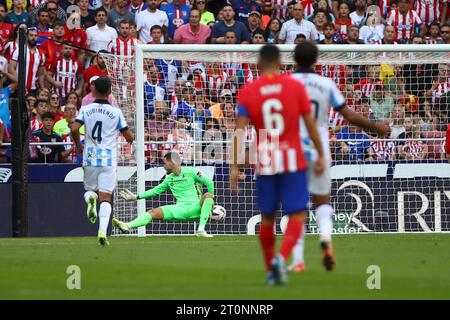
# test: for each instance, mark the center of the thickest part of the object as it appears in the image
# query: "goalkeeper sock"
(105, 214)
(205, 213)
(267, 241)
(293, 231)
(324, 214)
(298, 251)
(140, 221)
(89, 194)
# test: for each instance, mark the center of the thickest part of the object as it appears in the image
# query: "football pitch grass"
(412, 266)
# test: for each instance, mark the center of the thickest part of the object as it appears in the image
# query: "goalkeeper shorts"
(181, 212)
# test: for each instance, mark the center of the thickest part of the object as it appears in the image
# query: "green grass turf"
(413, 266)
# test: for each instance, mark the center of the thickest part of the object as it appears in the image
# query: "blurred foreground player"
(323, 92)
(103, 123)
(274, 104)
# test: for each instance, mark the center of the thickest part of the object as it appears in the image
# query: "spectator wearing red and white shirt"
(6, 29)
(385, 7)
(434, 36)
(442, 83)
(282, 9)
(367, 85)
(52, 49)
(36, 121)
(343, 22)
(405, 21)
(65, 74)
(123, 45)
(180, 140)
(414, 148)
(35, 62)
(193, 32)
(431, 11)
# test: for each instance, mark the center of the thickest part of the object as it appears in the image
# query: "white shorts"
(101, 179)
(320, 185)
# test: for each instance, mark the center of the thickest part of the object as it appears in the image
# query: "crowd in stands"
(187, 101)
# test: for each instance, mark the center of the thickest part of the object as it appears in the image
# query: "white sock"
(89, 194)
(299, 248)
(105, 213)
(324, 218)
(201, 228)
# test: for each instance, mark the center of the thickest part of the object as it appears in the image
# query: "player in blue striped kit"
(103, 123)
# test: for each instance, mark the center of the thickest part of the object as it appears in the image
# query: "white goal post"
(397, 189)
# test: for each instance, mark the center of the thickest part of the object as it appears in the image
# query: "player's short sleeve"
(337, 100)
(122, 123)
(80, 116)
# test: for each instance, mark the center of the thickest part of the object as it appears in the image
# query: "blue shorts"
(289, 189)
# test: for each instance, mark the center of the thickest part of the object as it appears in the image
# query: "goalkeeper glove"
(128, 195)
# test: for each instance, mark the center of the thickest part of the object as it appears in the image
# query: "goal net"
(182, 98)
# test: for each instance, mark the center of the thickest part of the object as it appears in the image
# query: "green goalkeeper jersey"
(185, 187)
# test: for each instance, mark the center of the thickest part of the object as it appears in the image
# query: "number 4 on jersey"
(97, 132)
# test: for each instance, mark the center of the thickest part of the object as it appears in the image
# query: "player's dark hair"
(306, 53)
(103, 85)
(269, 53)
(48, 115)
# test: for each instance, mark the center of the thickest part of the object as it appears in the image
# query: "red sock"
(267, 240)
(293, 232)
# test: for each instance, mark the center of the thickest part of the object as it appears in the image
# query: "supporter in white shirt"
(101, 34)
(359, 14)
(150, 17)
(293, 27)
(373, 32)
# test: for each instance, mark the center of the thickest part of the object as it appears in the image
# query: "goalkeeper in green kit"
(185, 185)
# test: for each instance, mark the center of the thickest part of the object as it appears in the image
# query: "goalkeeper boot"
(328, 259)
(203, 234)
(102, 239)
(92, 209)
(297, 267)
(279, 269)
(122, 226)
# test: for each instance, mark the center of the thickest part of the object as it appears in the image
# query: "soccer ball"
(218, 213)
